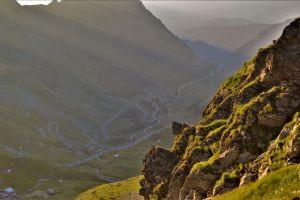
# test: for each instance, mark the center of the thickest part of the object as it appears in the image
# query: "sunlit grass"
(282, 184)
(127, 189)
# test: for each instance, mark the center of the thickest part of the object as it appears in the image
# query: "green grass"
(205, 164)
(279, 185)
(122, 190)
(26, 173)
(226, 175)
(204, 129)
(238, 79)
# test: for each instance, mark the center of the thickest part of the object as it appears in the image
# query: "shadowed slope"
(80, 79)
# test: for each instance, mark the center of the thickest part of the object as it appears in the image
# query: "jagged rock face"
(250, 128)
(158, 166)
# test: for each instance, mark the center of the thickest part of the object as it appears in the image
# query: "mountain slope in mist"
(264, 38)
(79, 80)
(227, 34)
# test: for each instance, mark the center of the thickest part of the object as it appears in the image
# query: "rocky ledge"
(249, 129)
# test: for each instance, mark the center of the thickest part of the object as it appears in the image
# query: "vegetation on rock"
(249, 129)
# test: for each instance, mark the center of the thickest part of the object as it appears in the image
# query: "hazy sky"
(180, 15)
(185, 14)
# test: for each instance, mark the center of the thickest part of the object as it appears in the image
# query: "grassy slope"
(31, 176)
(122, 190)
(281, 184)
(62, 53)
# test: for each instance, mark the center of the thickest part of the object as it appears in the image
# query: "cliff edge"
(249, 129)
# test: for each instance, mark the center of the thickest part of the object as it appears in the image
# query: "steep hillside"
(249, 130)
(80, 81)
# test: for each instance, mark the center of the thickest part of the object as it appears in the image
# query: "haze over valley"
(225, 33)
(75, 89)
(86, 87)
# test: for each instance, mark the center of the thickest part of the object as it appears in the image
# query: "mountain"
(249, 133)
(264, 38)
(225, 60)
(246, 37)
(227, 42)
(223, 34)
(80, 84)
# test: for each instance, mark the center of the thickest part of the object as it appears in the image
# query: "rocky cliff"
(249, 129)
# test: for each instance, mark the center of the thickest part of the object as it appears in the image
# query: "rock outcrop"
(249, 129)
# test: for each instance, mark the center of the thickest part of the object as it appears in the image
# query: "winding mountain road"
(147, 132)
(105, 127)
